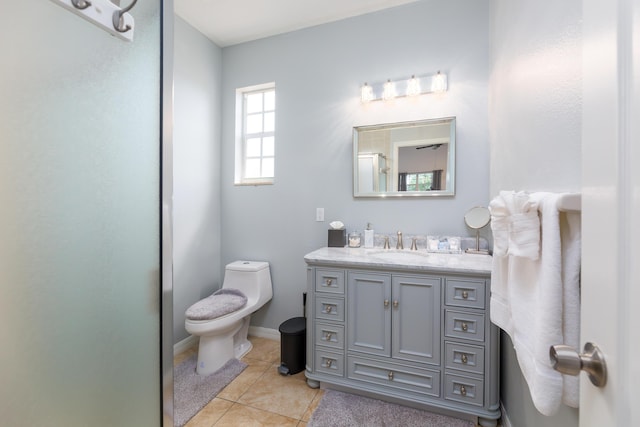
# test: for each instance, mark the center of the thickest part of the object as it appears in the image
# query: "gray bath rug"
(191, 392)
(337, 409)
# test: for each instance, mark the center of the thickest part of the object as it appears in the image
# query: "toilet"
(222, 319)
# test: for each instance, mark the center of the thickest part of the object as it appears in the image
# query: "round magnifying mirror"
(477, 218)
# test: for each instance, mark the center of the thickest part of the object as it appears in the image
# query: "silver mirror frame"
(449, 179)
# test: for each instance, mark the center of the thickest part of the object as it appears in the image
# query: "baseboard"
(504, 421)
(185, 344)
(260, 332)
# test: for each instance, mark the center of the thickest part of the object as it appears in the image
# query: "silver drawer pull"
(395, 304)
(463, 390)
(327, 336)
(327, 308)
(464, 326)
(328, 363)
(390, 375)
(329, 282)
(386, 303)
(465, 294)
(464, 359)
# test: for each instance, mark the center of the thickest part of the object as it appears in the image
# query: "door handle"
(568, 361)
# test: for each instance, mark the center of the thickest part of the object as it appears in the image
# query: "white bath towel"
(536, 301)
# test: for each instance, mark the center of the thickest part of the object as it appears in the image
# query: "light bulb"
(366, 93)
(389, 90)
(413, 86)
(439, 83)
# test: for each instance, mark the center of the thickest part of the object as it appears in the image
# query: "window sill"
(254, 183)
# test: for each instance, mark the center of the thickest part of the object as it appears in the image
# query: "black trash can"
(293, 347)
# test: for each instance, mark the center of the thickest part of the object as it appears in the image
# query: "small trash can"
(293, 347)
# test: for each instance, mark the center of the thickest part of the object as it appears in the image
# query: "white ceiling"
(229, 22)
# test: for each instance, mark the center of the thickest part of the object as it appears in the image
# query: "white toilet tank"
(252, 278)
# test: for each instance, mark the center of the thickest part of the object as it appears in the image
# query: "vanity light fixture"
(415, 86)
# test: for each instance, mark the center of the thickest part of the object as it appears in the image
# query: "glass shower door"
(79, 219)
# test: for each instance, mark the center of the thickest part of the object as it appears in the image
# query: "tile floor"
(259, 396)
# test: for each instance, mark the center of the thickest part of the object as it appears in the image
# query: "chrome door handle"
(568, 361)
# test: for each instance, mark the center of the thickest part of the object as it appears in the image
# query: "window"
(255, 135)
(421, 181)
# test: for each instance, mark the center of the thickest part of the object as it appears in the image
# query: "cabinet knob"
(463, 390)
(464, 359)
(327, 309)
(464, 326)
(327, 336)
(329, 282)
(465, 294)
(386, 303)
(328, 363)
(395, 304)
(391, 375)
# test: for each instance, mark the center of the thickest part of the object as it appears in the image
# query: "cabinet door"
(369, 313)
(416, 318)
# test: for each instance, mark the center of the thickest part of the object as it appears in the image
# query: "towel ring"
(81, 4)
(118, 18)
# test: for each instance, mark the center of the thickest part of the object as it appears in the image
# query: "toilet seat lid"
(220, 303)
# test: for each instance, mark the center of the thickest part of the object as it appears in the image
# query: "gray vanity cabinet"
(415, 336)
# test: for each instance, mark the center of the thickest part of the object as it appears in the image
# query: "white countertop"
(405, 259)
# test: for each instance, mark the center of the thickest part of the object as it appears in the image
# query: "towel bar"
(570, 202)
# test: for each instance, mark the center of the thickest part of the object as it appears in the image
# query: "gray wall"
(318, 73)
(196, 157)
(535, 127)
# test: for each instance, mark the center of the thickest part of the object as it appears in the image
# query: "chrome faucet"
(399, 244)
(414, 244)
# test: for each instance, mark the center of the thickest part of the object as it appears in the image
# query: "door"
(79, 224)
(611, 208)
(415, 318)
(369, 313)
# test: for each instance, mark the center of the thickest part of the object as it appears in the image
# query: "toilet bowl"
(225, 336)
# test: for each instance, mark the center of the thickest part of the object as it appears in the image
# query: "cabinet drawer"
(330, 281)
(330, 309)
(469, 326)
(330, 335)
(329, 363)
(465, 293)
(462, 389)
(469, 358)
(404, 378)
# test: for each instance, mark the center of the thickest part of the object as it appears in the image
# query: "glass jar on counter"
(354, 239)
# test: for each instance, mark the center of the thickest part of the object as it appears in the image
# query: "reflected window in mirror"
(405, 159)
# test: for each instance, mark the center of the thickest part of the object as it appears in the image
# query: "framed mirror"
(406, 159)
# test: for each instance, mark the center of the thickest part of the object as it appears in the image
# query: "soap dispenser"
(368, 237)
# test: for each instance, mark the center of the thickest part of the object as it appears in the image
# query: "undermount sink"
(400, 255)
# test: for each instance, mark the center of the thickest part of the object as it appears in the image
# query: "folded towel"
(499, 226)
(515, 225)
(535, 299)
